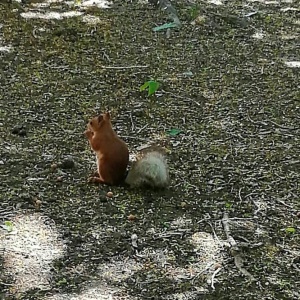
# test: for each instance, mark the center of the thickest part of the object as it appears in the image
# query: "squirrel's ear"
(100, 118)
(107, 116)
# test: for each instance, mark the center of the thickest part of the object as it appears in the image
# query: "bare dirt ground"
(227, 111)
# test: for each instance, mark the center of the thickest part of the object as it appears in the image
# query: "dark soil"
(231, 95)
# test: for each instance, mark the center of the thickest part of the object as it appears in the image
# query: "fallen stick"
(124, 67)
(234, 250)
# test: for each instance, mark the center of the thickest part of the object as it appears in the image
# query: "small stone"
(109, 194)
(37, 203)
(217, 266)
(131, 217)
(59, 179)
(183, 204)
(53, 167)
(139, 112)
(19, 130)
(67, 163)
(22, 132)
(16, 129)
(103, 198)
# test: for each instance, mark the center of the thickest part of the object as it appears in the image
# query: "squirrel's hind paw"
(94, 179)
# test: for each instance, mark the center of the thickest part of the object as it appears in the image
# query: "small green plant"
(8, 226)
(228, 205)
(173, 132)
(61, 282)
(290, 230)
(268, 19)
(193, 12)
(151, 86)
(165, 26)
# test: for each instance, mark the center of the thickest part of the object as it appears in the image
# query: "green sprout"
(151, 85)
(228, 205)
(173, 132)
(290, 230)
(8, 226)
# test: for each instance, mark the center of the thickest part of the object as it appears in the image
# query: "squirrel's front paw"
(94, 179)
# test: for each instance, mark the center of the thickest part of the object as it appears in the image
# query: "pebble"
(67, 163)
(19, 130)
(110, 194)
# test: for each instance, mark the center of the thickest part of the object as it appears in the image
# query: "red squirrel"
(112, 155)
(111, 152)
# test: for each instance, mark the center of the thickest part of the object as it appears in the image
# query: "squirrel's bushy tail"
(149, 170)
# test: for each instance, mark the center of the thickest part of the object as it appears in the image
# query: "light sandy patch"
(293, 64)
(265, 1)
(181, 223)
(3, 48)
(98, 3)
(50, 15)
(91, 19)
(289, 9)
(208, 251)
(55, 15)
(189, 295)
(209, 260)
(77, 3)
(289, 37)
(216, 2)
(28, 251)
(119, 270)
(258, 35)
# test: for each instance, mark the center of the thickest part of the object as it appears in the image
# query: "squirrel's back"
(151, 170)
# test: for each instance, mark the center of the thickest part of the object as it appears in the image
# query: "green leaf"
(165, 26)
(63, 281)
(173, 131)
(151, 85)
(228, 205)
(290, 230)
(8, 225)
(144, 86)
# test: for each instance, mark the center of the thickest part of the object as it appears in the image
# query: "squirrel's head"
(99, 121)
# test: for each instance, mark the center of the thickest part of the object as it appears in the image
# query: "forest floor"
(227, 111)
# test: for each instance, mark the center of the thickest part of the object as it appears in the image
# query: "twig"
(124, 67)
(132, 124)
(7, 284)
(238, 261)
(214, 232)
(134, 137)
(272, 122)
(284, 204)
(106, 56)
(213, 277)
(240, 194)
(256, 122)
(142, 128)
(282, 126)
(201, 272)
